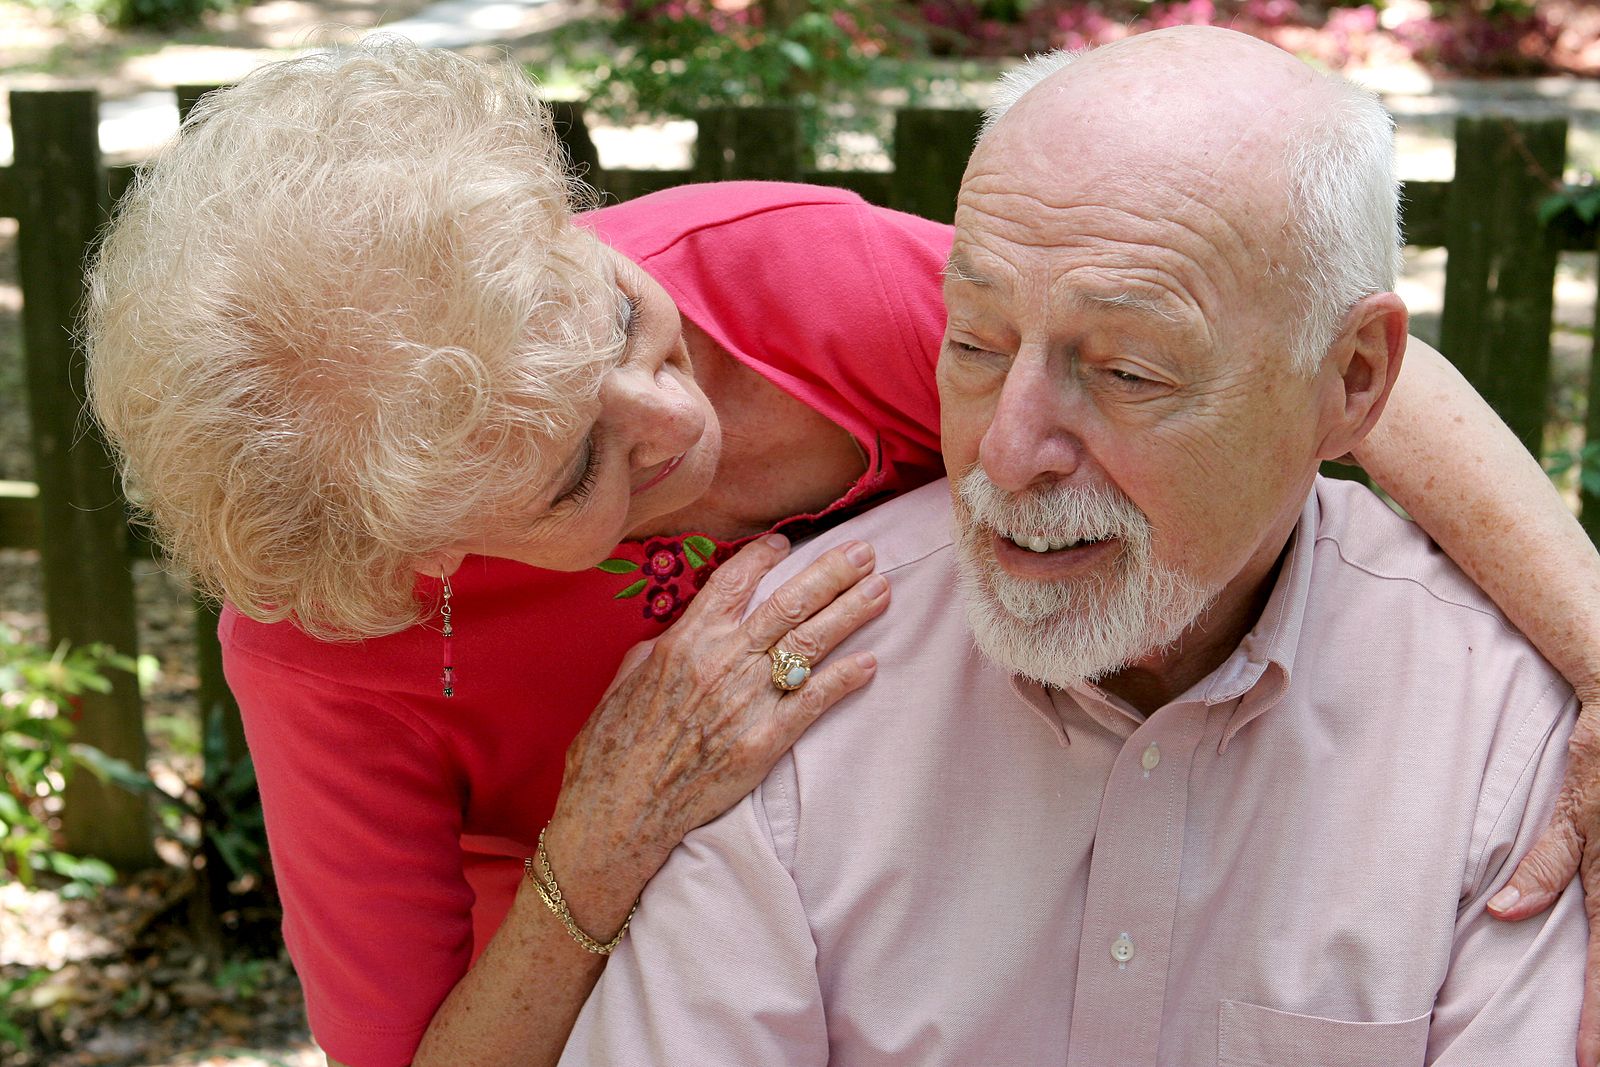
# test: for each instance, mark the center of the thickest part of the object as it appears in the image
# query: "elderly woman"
(487, 486)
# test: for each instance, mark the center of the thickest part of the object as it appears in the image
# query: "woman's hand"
(1569, 844)
(693, 722)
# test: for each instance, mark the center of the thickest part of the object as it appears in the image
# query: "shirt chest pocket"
(1252, 1036)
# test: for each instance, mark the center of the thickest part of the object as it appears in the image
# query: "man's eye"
(1128, 377)
(961, 348)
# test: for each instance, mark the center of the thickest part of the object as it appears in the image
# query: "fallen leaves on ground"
(117, 980)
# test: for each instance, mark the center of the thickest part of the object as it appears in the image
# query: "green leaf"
(1553, 207)
(117, 772)
(1588, 206)
(633, 590)
(92, 871)
(617, 566)
(148, 669)
(703, 545)
(1559, 462)
(694, 558)
(798, 54)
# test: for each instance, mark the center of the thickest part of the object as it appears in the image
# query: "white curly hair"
(337, 323)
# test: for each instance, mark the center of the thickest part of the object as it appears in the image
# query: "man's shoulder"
(902, 531)
(1384, 591)
(1370, 541)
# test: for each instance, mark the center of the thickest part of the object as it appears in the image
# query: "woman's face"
(650, 447)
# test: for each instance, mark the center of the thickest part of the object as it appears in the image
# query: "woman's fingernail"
(778, 541)
(859, 553)
(866, 661)
(875, 586)
(1505, 899)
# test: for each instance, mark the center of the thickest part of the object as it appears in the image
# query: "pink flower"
(662, 560)
(662, 603)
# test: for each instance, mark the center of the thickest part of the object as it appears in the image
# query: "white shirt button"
(1122, 949)
(1151, 757)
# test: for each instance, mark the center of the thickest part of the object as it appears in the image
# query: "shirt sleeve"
(1514, 990)
(719, 968)
(363, 816)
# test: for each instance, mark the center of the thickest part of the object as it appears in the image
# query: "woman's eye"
(632, 307)
(1128, 377)
(591, 469)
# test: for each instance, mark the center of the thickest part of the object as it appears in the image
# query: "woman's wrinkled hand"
(693, 721)
(1570, 844)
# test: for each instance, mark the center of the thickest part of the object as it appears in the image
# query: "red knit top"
(398, 819)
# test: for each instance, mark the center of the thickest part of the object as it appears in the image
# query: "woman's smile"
(662, 471)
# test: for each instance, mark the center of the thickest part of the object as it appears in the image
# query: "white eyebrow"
(1134, 302)
(958, 268)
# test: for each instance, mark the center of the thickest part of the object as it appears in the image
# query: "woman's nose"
(660, 417)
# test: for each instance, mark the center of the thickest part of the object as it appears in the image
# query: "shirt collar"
(1256, 674)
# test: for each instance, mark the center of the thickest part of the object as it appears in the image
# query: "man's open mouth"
(1052, 544)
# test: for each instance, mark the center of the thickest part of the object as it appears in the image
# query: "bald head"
(1304, 159)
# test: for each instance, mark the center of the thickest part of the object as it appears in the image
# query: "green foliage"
(155, 14)
(241, 978)
(672, 58)
(138, 14)
(1585, 459)
(223, 807)
(37, 695)
(1581, 202)
(15, 1009)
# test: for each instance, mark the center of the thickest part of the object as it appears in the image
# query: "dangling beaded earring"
(449, 676)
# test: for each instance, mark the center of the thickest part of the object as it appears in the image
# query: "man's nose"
(1031, 439)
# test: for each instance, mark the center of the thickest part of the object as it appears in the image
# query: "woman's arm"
(691, 724)
(1446, 457)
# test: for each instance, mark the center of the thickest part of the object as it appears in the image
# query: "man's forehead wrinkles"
(1106, 269)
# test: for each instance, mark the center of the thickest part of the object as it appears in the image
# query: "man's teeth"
(1047, 544)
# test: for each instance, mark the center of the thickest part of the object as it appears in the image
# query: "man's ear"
(442, 563)
(1361, 367)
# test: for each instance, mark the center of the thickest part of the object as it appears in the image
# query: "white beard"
(1062, 633)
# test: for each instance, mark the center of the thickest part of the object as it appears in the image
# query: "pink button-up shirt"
(1285, 866)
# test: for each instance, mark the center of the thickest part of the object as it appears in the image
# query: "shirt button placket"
(1122, 950)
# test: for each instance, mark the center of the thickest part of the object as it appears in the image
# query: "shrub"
(37, 694)
(677, 57)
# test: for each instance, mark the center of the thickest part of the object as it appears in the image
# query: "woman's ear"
(1364, 361)
(440, 564)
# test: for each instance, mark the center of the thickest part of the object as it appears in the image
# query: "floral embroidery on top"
(669, 574)
(665, 573)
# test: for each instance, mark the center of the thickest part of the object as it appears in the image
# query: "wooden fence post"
(84, 531)
(749, 142)
(931, 146)
(1500, 276)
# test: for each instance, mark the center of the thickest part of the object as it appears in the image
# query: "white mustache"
(1080, 513)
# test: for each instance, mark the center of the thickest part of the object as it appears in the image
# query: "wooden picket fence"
(1499, 296)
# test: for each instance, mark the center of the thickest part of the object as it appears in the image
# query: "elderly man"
(1239, 757)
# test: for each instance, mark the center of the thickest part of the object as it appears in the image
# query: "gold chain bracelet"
(550, 893)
